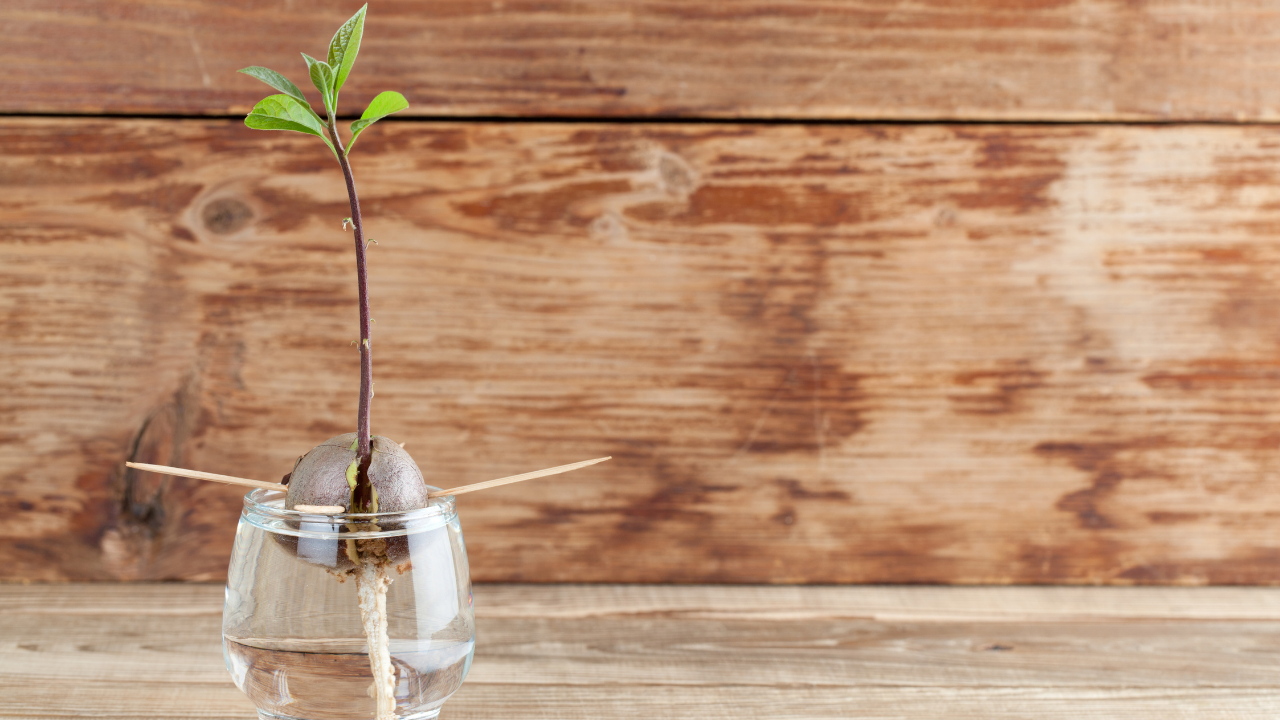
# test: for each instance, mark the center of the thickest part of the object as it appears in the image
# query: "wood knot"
(226, 215)
(677, 177)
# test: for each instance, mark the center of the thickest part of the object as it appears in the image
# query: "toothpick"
(228, 479)
(232, 480)
(517, 478)
(320, 509)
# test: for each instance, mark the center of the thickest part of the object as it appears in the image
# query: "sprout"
(357, 471)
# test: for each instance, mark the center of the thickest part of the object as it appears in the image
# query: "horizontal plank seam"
(90, 612)
(710, 614)
(471, 680)
(938, 619)
(677, 120)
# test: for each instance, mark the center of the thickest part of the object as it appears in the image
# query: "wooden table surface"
(646, 651)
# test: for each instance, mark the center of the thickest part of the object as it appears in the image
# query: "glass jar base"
(428, 715)
(298, 624)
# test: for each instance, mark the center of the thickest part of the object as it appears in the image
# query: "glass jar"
(317, 606)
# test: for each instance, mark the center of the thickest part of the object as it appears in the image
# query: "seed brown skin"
(320, 477)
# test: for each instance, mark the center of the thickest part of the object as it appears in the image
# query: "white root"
(371, 588)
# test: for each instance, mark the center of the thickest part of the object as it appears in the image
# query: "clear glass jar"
(316, 603)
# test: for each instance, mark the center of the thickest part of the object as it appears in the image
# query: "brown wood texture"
(611, 652)
(1026, 59)
(817, 354)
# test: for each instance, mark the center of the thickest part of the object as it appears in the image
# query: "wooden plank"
(817, 354)
(877, 59)
(499, 702)
(843, 646)
(769, 603)
(765, 603)
(78, 650)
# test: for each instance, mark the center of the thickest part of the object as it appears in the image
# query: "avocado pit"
(323, 477)
(324, 482)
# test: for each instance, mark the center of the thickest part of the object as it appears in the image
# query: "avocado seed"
(321, 476)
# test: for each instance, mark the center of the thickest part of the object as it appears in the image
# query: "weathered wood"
(935, 59)
(817, 354)
(639, 651)
(766, 603)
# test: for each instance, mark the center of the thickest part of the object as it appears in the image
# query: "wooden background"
(852, 292)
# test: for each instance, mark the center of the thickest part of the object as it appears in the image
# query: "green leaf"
(281, 83)
(322, 78)
(382, 106)
(344, 46)
(275, 80)
(281, 112)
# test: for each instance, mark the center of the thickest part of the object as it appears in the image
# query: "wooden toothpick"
(232, 480)
(320, 509)
(517, 478)
(228, 479)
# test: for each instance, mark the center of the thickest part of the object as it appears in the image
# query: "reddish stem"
(363, 444)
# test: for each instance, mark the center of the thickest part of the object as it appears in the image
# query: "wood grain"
(877, 59)
(970, 354)
(147, 650)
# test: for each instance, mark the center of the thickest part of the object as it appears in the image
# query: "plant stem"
(363, 444)
(371, 575)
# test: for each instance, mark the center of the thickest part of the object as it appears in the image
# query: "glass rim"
(256, 501)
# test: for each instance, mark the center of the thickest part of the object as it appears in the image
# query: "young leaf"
(275, 80)
(383, 105)
(281, 83)
(344, 46)
(281, 112)
(322, 78)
